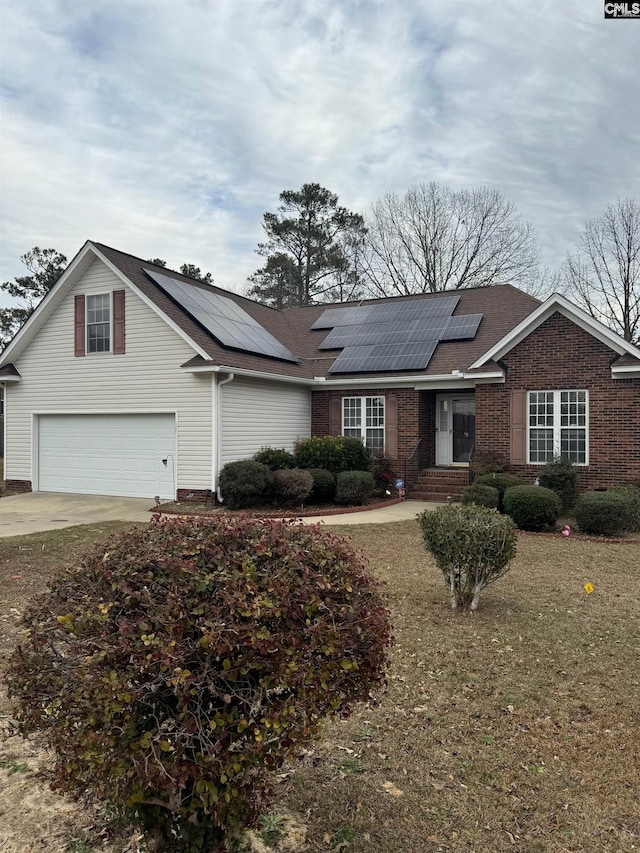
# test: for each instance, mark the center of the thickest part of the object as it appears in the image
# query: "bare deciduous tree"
(603, 273)
(435, 238)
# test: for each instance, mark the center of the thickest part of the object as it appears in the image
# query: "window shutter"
(79, 327)
(118, 322)
(335, 416)
(519, 427)
(391, 426)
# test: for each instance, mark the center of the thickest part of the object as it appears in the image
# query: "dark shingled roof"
(502, 306)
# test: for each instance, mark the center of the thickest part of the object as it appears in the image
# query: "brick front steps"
(439, 484)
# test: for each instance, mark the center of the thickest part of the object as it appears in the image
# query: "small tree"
(180, 664)
(45, 267)
(471, 545)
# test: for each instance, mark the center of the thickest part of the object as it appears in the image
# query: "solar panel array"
(393, 336)
(223, 318)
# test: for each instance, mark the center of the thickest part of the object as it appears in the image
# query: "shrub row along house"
(130, 379)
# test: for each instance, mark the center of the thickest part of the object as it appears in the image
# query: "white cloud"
(167, 129)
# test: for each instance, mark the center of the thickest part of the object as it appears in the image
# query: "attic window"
(99, 323)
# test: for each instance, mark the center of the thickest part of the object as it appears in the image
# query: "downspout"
(218, 441)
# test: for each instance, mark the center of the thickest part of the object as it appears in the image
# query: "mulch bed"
(269, 511)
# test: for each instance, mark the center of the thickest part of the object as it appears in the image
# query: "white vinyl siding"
(259, 414)
(145, 380)
(558, 423)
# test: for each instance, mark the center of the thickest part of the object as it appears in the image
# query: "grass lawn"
(514, 729)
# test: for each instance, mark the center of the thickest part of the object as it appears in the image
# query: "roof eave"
(625, 371)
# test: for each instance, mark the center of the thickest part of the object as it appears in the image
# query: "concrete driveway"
(38, 511)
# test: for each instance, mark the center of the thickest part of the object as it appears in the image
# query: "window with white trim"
(363, 417)
(99, 322)
(558, 426)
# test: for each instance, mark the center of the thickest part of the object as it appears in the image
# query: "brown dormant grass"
(513, 729)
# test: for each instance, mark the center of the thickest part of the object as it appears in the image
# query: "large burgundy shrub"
(178, 665)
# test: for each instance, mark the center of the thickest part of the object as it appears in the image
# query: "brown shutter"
(518, 427)
(335, 416)
(118, 322)
(79, 320)
(391, 426)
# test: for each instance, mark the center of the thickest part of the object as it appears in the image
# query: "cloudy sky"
(168, 127)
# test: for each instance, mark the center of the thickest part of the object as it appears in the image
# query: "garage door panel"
(107, 454)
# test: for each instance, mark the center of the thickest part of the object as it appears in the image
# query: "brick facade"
(18, 486)
(409, 414)
(559, 355)
(416, 419)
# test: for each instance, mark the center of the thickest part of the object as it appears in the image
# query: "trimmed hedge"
(603, 513)
(481, 495)
(500, 481)
(186, 660)
(335, 453)
(292, 486)
(532, 507)
(276, 459)
(354, 487)
(324, 486)
(632, 495)
(245, 483)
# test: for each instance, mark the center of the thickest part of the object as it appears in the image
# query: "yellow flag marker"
(588, 587)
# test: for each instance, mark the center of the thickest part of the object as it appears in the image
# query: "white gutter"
(217, 444)
(258, 374)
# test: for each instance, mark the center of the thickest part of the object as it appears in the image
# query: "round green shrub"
(481, 495)
(324, 486)
(276, 459)
(184, 661)
(561, 476)
(471, 545)
(500, 481)
(292, 486)
(334, 452)
(603, 513)
(532, 507)
(354, 487)
(631, 493)
(245, 483)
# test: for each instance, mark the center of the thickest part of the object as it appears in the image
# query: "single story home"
(131, 379)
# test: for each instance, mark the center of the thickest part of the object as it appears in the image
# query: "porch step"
(439, 484)
(439, 497)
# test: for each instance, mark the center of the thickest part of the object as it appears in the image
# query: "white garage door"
(107, 454)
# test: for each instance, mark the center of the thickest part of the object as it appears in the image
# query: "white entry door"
(107, 454)
(455, 428)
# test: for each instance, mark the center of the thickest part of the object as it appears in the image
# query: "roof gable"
(560, 304)
(79, 265)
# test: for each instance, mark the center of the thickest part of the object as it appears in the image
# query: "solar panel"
(393, 336)
(223, 318)
(403, 356)
(463, 326)
(355, 316)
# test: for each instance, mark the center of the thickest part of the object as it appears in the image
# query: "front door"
(455, 428)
